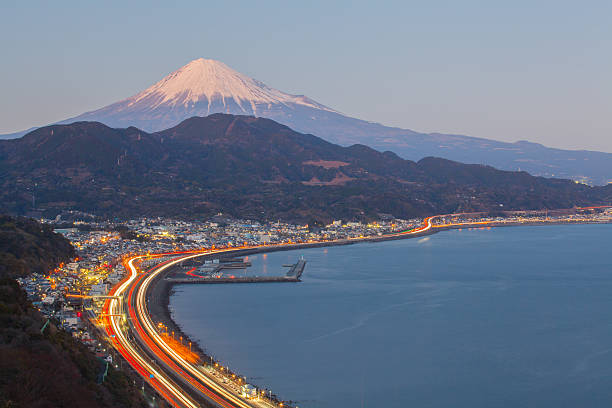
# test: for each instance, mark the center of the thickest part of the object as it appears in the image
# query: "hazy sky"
(534, 70)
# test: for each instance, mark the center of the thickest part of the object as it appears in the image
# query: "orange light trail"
(162, 348)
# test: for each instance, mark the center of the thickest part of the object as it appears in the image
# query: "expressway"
(116, 329)
(135, 336)
(180, 382)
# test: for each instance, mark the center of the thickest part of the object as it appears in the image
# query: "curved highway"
(116, 329)
(179, 381)
(135, 336)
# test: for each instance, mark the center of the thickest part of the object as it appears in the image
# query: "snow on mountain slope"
(209, 80)
(200, 88)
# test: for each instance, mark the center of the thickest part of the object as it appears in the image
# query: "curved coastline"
(158, 295)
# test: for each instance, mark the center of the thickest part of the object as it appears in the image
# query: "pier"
(297, 269)
(239, 279)
(293, 275)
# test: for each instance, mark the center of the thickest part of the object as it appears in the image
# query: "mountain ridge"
(205, 86)
(252, 168)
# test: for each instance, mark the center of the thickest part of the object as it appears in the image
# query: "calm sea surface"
(507, 317)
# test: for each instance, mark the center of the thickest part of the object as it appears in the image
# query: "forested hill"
(252, 168)
(48, 369)
(27, 246)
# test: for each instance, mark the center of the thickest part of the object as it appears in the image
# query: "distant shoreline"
(160, 289)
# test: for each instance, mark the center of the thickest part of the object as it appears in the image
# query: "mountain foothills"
(41, 365)
(205, 86)
(252, 168)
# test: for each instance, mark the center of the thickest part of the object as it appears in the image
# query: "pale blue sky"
(535, 70)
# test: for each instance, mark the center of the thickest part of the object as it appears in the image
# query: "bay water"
(502, 317)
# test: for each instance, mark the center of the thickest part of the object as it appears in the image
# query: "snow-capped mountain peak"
(201, 88)
(209, 81)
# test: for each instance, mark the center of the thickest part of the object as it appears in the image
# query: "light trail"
(138, 320)
(146, 330)
(149, 326)
(159, 381)
(181, 368)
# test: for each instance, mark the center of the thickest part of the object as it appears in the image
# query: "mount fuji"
(205, 86)
(201, 88)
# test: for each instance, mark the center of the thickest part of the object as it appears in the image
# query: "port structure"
(293, 275)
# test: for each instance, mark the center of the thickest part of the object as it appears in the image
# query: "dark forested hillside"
(48, 368)
(27, 246)
(252, 168)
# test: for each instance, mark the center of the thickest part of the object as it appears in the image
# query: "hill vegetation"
(252, 168)
(27, 246)
(47, 368)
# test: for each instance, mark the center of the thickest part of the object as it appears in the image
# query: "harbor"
(219, 271)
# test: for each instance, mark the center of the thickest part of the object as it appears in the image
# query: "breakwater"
(238, 279)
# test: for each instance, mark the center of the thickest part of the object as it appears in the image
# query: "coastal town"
(73, 295)
(102, 245)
